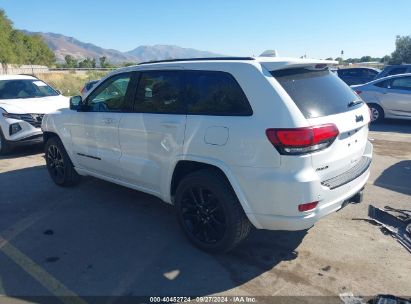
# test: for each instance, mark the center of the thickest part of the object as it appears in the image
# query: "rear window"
(159, 92)
(316, 93)
(350, 72)
(397, 71)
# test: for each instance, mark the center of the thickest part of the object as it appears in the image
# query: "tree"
(366, 59)
(402, 53)
(339, 59)
(19, 48)
(102, 61)
(352, 60)
(38, 51)
(385, 59)
(71, 62)
(126, 64)
(87, 63)
(6, 51)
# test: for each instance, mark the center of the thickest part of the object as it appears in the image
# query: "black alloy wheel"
(203, 215)
(55, 163)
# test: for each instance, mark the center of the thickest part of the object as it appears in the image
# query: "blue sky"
(318, 28)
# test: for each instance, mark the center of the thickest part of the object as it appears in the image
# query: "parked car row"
(352, 76)
(361, 75)
(388, 97)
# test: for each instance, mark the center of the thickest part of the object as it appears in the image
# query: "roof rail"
(198, 59)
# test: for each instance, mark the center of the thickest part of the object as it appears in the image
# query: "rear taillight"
(302, 140)
(307, 207)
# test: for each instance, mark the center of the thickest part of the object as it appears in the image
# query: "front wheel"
(209, 212)
(59, 165)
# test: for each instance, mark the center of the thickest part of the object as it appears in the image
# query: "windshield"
(317, 93)
(25, 88)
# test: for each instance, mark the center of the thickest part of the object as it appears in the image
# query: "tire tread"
(71, 176)
(241, 226)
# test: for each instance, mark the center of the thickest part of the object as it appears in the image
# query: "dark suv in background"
(352, 76)
(390, 70)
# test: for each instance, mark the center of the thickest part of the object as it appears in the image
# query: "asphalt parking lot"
(102, 239)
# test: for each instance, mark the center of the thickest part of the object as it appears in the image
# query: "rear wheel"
(209, 212)
(4, 145)
(59, 165)
(377, 113)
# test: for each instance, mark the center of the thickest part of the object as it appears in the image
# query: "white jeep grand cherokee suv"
(276, 143)
(23, 102)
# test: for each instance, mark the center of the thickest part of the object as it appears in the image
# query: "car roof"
(16, 77)
(354, 68)
(398, 65)
(389, 77)
(270, 63)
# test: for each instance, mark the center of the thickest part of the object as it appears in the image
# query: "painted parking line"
(20, 226)
(54, 286)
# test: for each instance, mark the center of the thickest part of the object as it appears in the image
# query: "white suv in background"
(275, 143)
(23, 102)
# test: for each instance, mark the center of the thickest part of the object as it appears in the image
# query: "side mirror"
(76, 103)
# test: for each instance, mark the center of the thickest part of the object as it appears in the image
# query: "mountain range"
(63, 45)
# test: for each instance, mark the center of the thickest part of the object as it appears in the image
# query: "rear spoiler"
(273, 64)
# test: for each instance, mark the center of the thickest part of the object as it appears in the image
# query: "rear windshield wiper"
(354, 103)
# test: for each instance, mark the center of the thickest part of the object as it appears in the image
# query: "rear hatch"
(324, 99)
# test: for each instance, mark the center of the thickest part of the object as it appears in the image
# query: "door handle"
(170, 125)
(109, 121)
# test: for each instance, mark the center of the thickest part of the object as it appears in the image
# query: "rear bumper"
(273, 196)
(278, 222)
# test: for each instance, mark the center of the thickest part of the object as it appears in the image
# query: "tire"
(4, 145)
(59, 165)
(209, 212)
(377, 113)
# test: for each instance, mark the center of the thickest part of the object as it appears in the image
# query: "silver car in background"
(388, 97)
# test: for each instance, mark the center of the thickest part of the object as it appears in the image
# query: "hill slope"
(63, 45)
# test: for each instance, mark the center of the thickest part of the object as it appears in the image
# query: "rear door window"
(214, 93)
(316, 93)
(401, 83)
(369, 72)
(160, 92)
